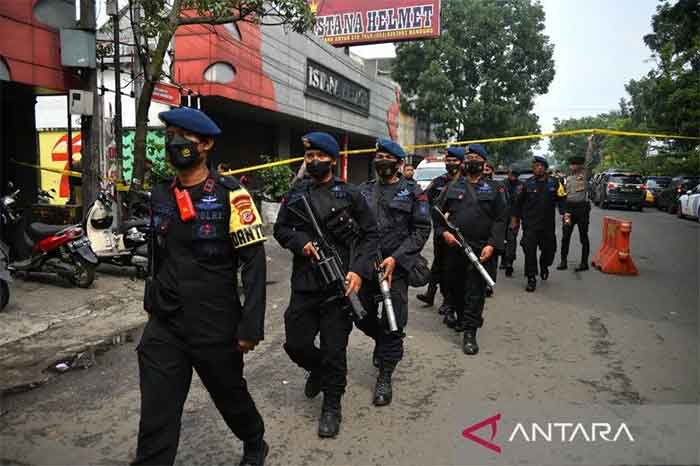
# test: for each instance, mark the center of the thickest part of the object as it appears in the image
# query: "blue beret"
(478, 149)
(456, 152)
(190, 119)
(390, 147)
(323, 142)
(540, 159)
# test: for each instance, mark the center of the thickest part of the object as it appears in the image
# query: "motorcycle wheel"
(85, 274)
(4, 294)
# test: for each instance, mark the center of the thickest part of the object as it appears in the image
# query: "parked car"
(689, 204)
(655, 184)
(427, 170)
(668, 198)
(625, 189)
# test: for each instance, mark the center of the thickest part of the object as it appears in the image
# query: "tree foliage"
(157, 21)
(480, 77)
(666, 100)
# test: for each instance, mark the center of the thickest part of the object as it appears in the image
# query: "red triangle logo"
(493, 422)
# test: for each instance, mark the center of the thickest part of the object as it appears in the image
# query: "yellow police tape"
(121, 186)
(575, 132)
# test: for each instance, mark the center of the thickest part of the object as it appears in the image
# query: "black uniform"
(350, 226)
(513, 189)
(578, 206)
(536, 207)
(403, 220)
(479, 211)
(434, 191)
(196, 317)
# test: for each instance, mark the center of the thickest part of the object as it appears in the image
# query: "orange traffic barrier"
(614, 253)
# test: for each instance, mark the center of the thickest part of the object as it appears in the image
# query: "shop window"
(4, 70)
(220, 72)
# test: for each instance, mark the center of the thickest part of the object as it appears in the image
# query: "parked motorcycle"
(122, 245)
(5, 277)
(39, 247)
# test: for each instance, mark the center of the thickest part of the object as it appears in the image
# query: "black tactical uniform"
(196, 316)
(479, 212)
(536, 207)
(513, 189)
(403, 220)
(434, 190)
(349, 225)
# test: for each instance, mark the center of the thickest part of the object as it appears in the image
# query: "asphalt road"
(582, 337)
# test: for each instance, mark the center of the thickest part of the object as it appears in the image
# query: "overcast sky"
(598, 48)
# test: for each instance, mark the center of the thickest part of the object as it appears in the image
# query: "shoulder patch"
(245, 224)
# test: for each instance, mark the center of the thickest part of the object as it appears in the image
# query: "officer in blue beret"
(403, 219)
(535, 208)
(315, 306)
(454, 159)
(476, 206)
(205, 227)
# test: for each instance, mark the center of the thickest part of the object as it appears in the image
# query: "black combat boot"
(254, 453)
(313, 384)
(444, 308)
(451, 318)
(509, 271)
(582, 266)
(382, 390)
(429, 296)
(531, 284)
(469, 345)
(562, 265)
(544, 273)
(329, 424)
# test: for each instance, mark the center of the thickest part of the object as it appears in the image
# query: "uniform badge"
(243, 206)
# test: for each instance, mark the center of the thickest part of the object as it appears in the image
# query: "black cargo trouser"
(511, 246)
(438, 261)
(580, 215)
(165, 369)
(389, 345)
(309, 314)
(546, 241)
(468, 287)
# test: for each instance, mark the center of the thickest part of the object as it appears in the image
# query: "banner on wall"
(357, 22)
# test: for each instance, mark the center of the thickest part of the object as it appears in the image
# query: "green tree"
(159, 19)
(480, 77)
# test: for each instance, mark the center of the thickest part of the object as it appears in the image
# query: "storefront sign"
(355, 22)
(167, 94)
(325, 84)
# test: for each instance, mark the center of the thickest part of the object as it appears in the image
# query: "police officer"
(349, 225)
(577, 211)
(477, 208)
(454, 157)
(513, 187)
(536, 207)
(206, 227)
(403, 219)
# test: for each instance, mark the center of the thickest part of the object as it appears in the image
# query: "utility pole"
(118, 141)
(89, 124)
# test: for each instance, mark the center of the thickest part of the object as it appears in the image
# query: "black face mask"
(317, 169)
(385, 168)
(182, 153)
(473, 167)
(452, 168)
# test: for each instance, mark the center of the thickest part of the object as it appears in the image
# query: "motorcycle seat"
(134, 222)
(42, 230)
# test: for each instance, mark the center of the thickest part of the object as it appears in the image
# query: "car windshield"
(658, 183)
(428, 174)
(626, 179)
(691, 182)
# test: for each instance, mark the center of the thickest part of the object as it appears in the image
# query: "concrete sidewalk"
(48, 322)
